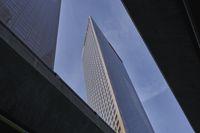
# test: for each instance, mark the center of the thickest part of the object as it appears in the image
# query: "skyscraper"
(109, 89)
(35, 22)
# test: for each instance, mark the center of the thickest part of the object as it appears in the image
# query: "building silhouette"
(171, 31)
(35, 22)
(109, 89)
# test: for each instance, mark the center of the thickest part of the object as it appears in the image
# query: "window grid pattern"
(35, 22)
(98, 90)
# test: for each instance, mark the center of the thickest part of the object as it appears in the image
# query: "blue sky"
(110, 15)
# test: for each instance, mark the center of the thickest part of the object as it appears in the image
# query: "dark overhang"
(33, 98)
(173, 42)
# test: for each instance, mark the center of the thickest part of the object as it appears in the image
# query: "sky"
(159, 103)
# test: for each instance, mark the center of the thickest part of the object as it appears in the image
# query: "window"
(119, 130)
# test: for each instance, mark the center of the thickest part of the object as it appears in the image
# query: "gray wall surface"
(35, 22)
(35, 98)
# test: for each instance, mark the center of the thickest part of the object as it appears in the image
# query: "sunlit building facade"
(35, 22)
(109, 89)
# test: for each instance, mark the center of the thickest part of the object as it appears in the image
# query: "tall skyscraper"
(35, 22)
(109, 89)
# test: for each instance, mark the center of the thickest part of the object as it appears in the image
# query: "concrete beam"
(34, 98)
(167, 31)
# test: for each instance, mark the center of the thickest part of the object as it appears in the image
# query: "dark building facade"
(32, 97)
(35, 99)
(170, 29)
(35, 22)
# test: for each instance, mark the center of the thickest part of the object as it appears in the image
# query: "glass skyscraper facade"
(109, 89)
(35, 22)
